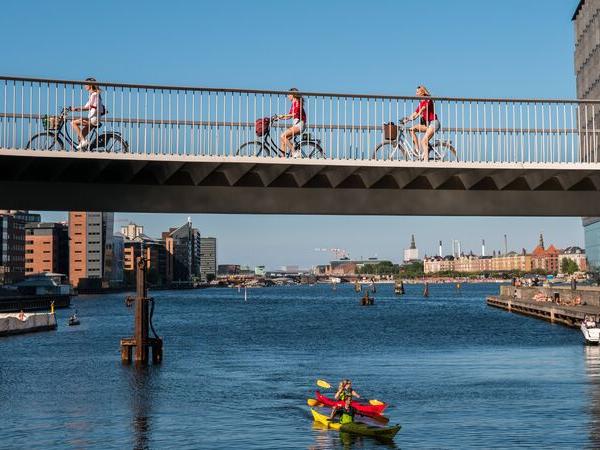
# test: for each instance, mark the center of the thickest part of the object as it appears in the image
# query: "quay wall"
(587, 295)
(12, 324)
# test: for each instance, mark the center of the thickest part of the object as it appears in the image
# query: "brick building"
(46, 248)
(12, 244)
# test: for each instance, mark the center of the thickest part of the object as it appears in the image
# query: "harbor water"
(236, 374)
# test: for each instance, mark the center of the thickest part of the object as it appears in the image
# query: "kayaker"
(346, 412)
(345, 390)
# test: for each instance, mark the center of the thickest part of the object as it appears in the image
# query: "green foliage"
(410, 270)
(568, 266)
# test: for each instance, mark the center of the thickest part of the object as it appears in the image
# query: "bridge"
(180, 149)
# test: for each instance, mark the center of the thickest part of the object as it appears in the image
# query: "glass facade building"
(591, 229)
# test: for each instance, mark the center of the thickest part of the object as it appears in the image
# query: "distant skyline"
(463, 48)
(250, 239)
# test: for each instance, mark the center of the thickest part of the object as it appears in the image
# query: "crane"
(339, 253)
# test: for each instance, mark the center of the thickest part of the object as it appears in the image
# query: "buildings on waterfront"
(208, 258)
(12, 244)
(46, 248)
(183, 253)
(346, 266)
(91, 256)
(542, 259)
(586, 20)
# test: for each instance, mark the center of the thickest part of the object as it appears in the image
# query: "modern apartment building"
(182, 253)
(137, 244)
(91, 253)
(208, 258)
(12, 244)
(46, 248)
(586, 20)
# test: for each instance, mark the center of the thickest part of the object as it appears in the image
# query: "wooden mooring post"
(143, 322)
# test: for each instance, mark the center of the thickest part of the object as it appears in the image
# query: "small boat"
(590, 329)
(359, 428)
(73, 319)
(399, 288)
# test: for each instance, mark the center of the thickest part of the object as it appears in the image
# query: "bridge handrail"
(188, 120)
(303, 93)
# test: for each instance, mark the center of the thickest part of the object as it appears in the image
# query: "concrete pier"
(19, 323)
(561, 305)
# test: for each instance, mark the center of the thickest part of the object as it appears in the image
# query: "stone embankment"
(18, 323)
(562, 305)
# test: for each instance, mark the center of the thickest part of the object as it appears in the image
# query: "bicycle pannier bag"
(390, 131)
(262, 126)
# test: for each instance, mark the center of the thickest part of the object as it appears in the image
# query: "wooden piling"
(141, 341)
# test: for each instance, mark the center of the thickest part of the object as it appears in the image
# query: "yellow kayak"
(356, 427)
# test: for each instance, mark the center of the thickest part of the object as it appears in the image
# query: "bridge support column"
(141, 342)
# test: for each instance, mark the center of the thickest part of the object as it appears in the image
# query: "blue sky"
(459, 48)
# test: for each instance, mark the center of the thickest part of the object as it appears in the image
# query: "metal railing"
(190, 121)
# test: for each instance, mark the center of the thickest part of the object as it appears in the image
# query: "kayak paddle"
(324, 384)
(313, 402)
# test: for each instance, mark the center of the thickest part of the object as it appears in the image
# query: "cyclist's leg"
(285, 139)
(433, 126)
(413, 132)
(81, 127)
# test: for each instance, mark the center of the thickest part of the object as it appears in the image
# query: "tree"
(568, 266)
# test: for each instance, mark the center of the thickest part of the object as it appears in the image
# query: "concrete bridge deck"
(49, 180)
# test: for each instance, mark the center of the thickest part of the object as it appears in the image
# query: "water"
(236, 374)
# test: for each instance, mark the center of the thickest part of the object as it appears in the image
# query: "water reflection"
(592, 366)
(142, 384)
(327, 439)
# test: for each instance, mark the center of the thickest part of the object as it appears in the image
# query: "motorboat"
(74, 319)
(590, 329)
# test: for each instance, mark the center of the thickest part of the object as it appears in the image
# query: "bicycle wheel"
(444, 151)
(311, 149)
(45, 140)
(387, 151)
(252, 148)
(110, 142)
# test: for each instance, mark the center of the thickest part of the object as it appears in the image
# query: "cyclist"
(429, 122)
(95, 109)
(299, 115)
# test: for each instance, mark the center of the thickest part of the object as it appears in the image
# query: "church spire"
(412, 242)
(541, 244)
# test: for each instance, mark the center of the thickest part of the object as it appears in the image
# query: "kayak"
(357, 427)
(360, 407)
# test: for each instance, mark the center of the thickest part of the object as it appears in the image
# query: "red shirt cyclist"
(298, 115)
(429, 122)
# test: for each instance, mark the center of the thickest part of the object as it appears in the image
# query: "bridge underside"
(141, 183)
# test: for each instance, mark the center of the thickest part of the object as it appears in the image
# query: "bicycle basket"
(52, 123)
(390, 131)
(262, 126)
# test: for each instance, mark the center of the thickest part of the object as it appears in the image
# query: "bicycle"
(398, 145)
(305, 145)
(53, 137)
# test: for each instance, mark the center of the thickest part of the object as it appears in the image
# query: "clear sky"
(509, 48)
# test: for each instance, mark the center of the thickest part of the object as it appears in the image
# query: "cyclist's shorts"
(435, 124)
(299, 123)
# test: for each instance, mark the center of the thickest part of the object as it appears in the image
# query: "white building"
(411, 253)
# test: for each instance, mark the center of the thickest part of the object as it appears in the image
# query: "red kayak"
(362, 408)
